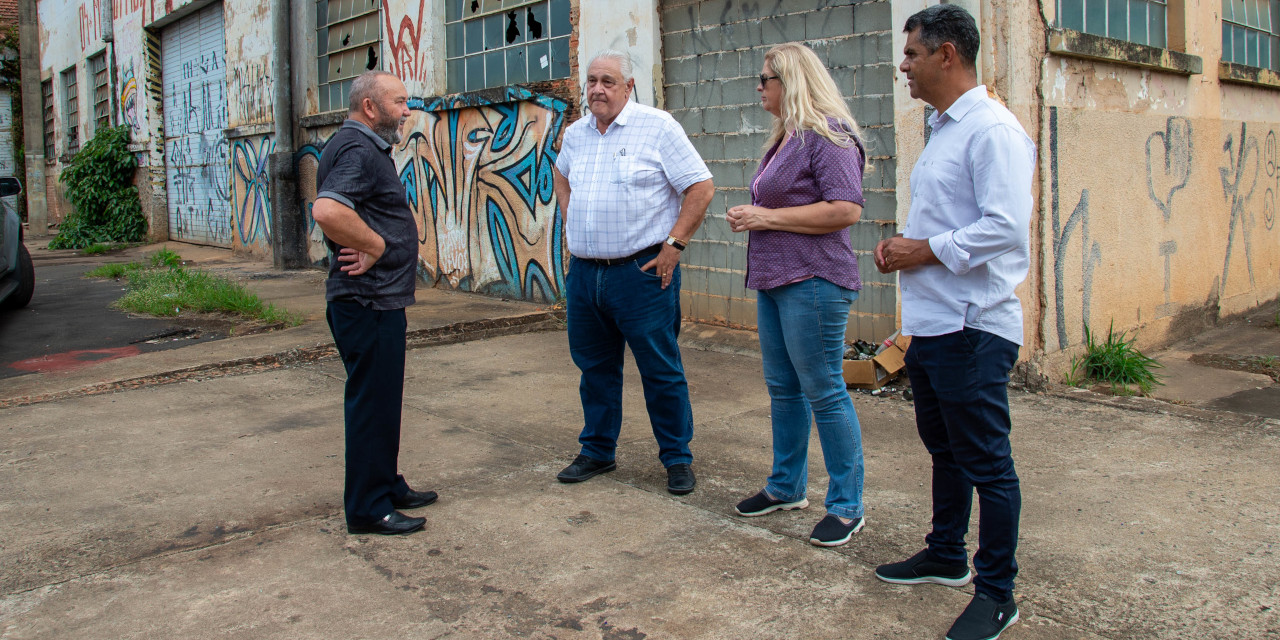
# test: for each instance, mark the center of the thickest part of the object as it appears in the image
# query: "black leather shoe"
(414, 499)
(584, 467)
(391, 524)
(680, 478)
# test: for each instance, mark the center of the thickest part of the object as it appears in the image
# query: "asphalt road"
(70, 323)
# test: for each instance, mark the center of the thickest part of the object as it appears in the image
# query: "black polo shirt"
(356, 169)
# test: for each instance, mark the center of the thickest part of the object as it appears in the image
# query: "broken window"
(1251, 33)
(1140, 21)
(101, 92)
(46, 91)
(494, 43)
(348, 42)
(71, 103)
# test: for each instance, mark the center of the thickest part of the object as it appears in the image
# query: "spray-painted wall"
(1159, 194)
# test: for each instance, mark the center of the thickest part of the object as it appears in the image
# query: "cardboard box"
(880, 370)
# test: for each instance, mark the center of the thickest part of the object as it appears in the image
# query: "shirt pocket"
(939, 182)
(622, 169)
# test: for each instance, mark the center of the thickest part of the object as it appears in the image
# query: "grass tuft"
(114, 270)
(166, 258)
(95, 249)
(1114, 361)
(169, 292)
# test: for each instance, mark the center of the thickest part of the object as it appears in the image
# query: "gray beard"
(389, 131)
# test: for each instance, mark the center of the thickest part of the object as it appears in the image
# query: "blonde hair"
(809, 97)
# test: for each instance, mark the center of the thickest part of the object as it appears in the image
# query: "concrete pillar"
(32, 117)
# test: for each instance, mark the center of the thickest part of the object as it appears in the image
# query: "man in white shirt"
(963, 251)
(619, 178)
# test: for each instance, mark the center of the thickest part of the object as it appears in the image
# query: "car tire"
(26, 281)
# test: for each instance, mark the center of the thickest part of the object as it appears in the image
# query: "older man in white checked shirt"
(619, 178)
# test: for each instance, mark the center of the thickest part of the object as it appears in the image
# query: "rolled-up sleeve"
(346, 180)
(1002, 163)
(837, 170)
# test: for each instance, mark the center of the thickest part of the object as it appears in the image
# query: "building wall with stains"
(1159, 191)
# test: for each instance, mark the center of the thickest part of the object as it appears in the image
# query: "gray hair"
(366, 86)
(624, 61)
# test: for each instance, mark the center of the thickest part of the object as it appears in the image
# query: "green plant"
(95, 249)
(114, 270)
(1268, 361)
(99, 183)
(169, 292)
(1114, 361)
(166, 258)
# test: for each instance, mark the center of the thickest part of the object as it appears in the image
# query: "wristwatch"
(675, 242)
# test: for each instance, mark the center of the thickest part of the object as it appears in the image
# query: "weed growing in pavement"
(95, 249)
(166, 258)
(114, 270)
(1114, 361)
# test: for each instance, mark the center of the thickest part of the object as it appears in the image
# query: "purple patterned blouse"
(817, 170)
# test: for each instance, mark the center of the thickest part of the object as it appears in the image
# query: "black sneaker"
(919, 569)
(761, 504)
(832, 532)
(984, 619)
(680, 478)
(584, 468)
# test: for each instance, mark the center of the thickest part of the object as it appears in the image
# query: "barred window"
(101, 91)
(492, 43)
(46, 91)
(1140, 21)
(71, 103)
(348, 39)
(1251, 33)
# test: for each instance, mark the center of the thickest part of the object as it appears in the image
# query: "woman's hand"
(748, 217)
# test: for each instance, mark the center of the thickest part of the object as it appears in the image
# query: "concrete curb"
(416, 339)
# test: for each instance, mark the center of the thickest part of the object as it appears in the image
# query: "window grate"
(493, 43)
(1140, 21)
(348, 41)
(71, 102)
(1251, 33)
(46, 90)
(101, 91)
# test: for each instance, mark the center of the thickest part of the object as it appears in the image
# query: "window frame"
(1089, 17)
(517, 56)
(71, 107)
(50, 119)
(1270, 35)
(101, 91)
(333, 91)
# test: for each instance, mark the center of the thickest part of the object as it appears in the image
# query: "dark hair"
(947, 23)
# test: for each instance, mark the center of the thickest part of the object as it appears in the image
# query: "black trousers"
(372, 346)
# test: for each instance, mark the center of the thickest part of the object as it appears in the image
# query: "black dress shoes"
(584, 467)
(414, 499)
(680, 478)
(391, 524)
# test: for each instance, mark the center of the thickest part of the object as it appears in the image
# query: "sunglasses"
(764, 79)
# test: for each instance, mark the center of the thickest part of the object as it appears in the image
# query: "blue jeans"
(802, 329)
(960, 381)
(610, 307)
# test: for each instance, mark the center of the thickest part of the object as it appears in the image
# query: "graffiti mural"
(1271, 156)
(1169, 161)
(409, 61)
(250, 94)
(1091, 250)
(477, 174)
(250, 191)
(1239, 180)
(90, 15)
(129, 99)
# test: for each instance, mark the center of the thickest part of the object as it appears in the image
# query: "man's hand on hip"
(665, 263)
(357, 261)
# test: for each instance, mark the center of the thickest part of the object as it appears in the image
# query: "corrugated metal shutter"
(197, 162)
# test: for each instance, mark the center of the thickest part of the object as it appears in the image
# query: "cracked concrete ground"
(212, 508)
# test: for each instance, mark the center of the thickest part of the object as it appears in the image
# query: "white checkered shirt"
(626, 184)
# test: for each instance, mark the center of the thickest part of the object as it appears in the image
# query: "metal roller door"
(197, 162)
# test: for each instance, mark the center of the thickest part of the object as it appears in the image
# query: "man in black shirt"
(374, 239)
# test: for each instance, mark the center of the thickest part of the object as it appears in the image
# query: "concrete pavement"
(142, 503)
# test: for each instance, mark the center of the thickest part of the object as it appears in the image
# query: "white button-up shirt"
(971, 198)
(625, 184)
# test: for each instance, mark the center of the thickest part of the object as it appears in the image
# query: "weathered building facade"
(1156, 124)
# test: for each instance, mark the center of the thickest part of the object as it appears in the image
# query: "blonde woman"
(804, 196)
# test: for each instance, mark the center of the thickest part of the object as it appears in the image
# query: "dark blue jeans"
(610, 307)
(372, 346)
(960, 381)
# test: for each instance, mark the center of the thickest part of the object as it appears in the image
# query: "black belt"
(608, 262)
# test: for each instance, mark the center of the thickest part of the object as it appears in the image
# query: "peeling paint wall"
(1158, 193)
(624, 25)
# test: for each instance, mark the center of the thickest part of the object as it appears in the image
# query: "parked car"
(17, 275)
